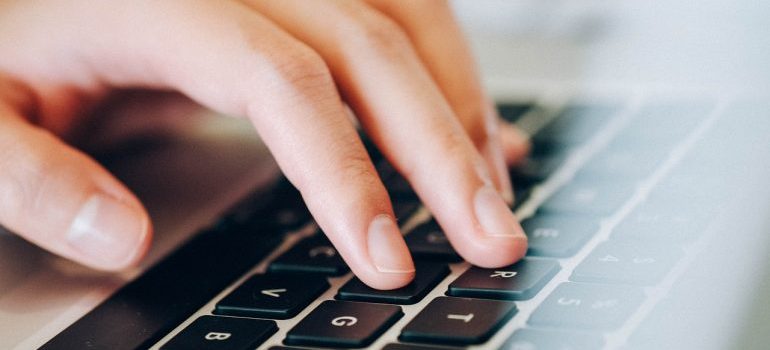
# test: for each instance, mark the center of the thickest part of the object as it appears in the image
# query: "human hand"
(289, 66)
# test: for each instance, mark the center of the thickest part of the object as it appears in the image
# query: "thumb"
(60, 199)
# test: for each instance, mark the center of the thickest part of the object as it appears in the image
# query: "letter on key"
(272, 296)
(343, 324)
(222, 333)
(519, 281)
(458, 321)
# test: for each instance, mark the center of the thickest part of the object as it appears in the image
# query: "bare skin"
(291, 67)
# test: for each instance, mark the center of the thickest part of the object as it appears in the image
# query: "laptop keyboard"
(607, 206)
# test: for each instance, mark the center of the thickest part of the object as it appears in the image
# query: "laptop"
(644, 199)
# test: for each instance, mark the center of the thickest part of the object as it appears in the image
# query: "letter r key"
(504, 274)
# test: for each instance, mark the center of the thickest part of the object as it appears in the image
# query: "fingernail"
(493, 214)
(108, 232)
(387, 248)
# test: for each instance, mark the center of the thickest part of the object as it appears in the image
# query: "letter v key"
(274, 292)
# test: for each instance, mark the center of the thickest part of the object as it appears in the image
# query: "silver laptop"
(645, 200)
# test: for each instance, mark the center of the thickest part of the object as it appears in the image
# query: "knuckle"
(36, 177)
(302, 67)
(21, 187)
(381, 34)
(358, 167)
(355, 166)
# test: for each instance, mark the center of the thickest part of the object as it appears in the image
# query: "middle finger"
(404, 112)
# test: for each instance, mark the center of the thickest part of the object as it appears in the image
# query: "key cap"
(536, 169)
(281, 208)
(519, 281)
(458, 321)
(404, 208)
(343, 324)
(428, 242)
(222, 333)
(589, 198)
(620, 162)
(272, 296)
(314, 254)
(542, 339)
(156, 302)
(428, 275)
(663, 123)
(626, 263)
(576, 124)
(557, 235)
(395, 346)
(688, 184)
(520, 196)
(657, 223)
(587, 306)
(512, 111)
(397, 185)
(290, 211)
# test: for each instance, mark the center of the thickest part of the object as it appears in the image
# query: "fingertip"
(387, 281)
(497, 252)
(497, 238)
(516, 143)
(393, 264)
(109, 234)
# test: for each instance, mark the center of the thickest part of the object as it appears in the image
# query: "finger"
(403, 111)
(440, 44)
(515, 143)
(63, 201)
(233, 60)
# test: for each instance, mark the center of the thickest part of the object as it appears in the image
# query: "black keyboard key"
(396, 346)
(619, 162)
(343, 324)
(272, 296)
(589, 198)
(286, 209)
(314, 254)
(428, 275)
(222, 333)
(655, 223)
(663, 123)
(156, 302)
(399, 187)
(535, 169)
(512, 111)
(627, 263)
(519, 281)
(688, 184)
(556, 235)
(546, 339)
(458, 321)
(405, 207)
(428, 242)
(395, 183)
(587, 306)
(575, 124)
(282, 208)
(520, 196)
(284, 348)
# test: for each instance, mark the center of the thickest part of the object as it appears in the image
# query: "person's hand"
(290, 66)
